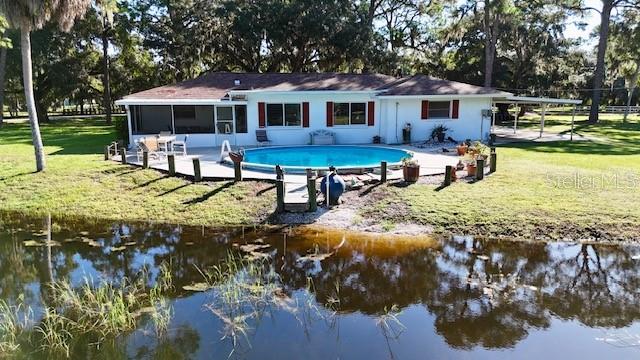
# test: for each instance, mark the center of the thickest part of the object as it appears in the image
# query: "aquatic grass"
(12, 326)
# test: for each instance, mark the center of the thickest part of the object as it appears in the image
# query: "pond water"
(331, 295)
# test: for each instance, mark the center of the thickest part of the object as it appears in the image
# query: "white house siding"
(468, 125)
(345, 134)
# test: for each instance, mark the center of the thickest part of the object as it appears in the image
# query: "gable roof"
(217, 85)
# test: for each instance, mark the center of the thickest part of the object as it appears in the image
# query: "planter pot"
(411, 173)
(236, 157)
(462, 149)
(471, 170)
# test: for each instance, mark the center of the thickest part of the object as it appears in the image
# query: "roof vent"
(236, 82)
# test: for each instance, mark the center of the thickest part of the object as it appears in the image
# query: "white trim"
(304, 92)
(451, 96)
(179, 102)
(540, 100)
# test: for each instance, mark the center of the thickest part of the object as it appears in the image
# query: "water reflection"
(471, 295)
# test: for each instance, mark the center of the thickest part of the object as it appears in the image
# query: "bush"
(122, 128)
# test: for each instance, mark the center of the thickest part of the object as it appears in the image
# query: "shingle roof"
(218, 84)
(427, 85)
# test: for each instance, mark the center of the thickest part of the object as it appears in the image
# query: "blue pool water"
(340, 156)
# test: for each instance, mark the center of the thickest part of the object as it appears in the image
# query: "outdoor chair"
(261, 137)
(150, 145)
(180, 146)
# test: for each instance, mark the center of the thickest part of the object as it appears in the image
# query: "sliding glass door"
(225, 129)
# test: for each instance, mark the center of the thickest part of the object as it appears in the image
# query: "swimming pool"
(321, 157)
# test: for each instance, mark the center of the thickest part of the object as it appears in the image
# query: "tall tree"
(106, 10)
(625, 52)
(30, 15)
(494, 15)
(5, 43)
(603, 39)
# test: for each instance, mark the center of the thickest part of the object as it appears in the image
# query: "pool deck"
(432, 162)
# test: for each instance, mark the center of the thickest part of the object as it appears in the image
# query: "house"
(289, 106)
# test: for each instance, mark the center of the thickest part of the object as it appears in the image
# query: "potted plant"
(377, 139)
(439, 132)
(410, 169)
(462, 149)
(471, 164)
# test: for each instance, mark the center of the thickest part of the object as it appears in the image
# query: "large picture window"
(439, 109)
(284, 115)
(349, 113)
(190, 119)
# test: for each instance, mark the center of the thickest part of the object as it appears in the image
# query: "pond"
(277, 293)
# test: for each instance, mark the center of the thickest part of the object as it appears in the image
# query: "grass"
(79, 183)
(85, 314)
(533, 194)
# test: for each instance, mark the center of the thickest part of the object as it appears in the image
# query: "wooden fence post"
(311, 190)
(480, 169)
(237, 171)
(492, 160)
(123, 155)
(447, 175)
(383, 171)
(171, 159)
(197, 174)
(279, 189)
(107, 152)
(145, 159)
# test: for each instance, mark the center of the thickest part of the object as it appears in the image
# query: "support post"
(107, 153)
(311, 190)
(492, 163)
(171, 159)
(383, 171)
(123, 156)
(237, 171)
(515, 123)
(279, 189)
(197, 174)
(145, 159)
(447, 175)
(479, 169)
(544, 111)
(573, 119)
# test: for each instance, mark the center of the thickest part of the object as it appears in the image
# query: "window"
(190, 119)
(439, 109)
(150, 119)
(284, 115)
(241, 119)
(224, 119)
(349, 113)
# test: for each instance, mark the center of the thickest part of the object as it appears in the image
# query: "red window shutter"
(371, 113)
(425, 109)
(455, 109)
(329, 114)
(261, 115)
(305, 114)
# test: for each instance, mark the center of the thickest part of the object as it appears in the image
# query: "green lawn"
(532, 195)
(524, 198)
(78, 183)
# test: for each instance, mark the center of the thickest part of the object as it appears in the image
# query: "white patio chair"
(180, 146)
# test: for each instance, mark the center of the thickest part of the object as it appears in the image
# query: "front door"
(224, 125)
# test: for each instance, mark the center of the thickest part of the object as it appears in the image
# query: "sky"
(592, 19)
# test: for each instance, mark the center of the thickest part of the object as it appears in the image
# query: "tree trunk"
(106, 82)
(3, 70)
(598, 76)
(632, 88)
(489, 45)
(25, 44)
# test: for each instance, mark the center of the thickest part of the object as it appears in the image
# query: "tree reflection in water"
(481, 293)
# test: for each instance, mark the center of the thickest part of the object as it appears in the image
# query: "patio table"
(164, 142)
